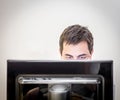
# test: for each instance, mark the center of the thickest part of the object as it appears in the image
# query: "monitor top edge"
(14, 60)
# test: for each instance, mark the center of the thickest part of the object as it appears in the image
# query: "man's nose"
(75, 58)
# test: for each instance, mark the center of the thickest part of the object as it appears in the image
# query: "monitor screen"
(59, 80)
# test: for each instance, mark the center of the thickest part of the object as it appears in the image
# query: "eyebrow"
(68, 55)
(77, 56)
(81, 55)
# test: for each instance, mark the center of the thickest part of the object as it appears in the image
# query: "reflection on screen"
(60, 87)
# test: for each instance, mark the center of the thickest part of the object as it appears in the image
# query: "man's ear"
(60, 52)
(92, 51)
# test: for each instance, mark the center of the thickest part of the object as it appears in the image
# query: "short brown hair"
(74, 34)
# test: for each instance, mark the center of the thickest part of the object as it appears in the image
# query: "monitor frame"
(17, 67)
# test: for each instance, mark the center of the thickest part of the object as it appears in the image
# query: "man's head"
(76, 43)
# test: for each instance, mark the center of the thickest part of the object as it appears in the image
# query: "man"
(76, 43)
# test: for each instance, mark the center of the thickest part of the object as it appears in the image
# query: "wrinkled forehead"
(75, 49)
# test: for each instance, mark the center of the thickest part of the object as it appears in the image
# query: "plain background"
(30, 29)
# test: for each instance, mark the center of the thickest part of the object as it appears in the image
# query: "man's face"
(76, 52)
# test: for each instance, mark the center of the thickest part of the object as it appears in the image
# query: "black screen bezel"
(17, 67)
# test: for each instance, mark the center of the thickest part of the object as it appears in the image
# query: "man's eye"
(83, 57)
(68, 57)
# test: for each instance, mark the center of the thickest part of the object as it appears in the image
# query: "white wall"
(30, 29)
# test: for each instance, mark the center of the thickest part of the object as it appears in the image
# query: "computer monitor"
(59, 80)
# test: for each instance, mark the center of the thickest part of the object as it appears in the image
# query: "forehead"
(75, 49)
